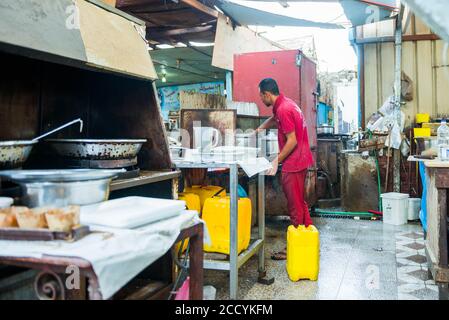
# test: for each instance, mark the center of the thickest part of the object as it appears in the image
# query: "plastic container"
(192, 200)
(192, 203)
(6, 202)
(303, 253)
(395, 208)
(422, 117)
(205, 192)
(443, 141)
(414, 206)
(217, 216)
(422, 132)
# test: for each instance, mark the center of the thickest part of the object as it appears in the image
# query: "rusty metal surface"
(97, 149)
(224, 121)
(358, 182)
(13, 154)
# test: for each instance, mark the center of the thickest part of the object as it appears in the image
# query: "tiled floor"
(358, 260)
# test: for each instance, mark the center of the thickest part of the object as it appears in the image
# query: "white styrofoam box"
(414, 205)
(130, 212)
(395, 208)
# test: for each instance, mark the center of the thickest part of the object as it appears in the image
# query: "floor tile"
(358, 260)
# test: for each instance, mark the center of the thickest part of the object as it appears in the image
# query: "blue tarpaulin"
(423, 212)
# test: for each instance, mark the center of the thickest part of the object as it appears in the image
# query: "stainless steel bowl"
(60, 175)
(13, 154)
(97, 149)
(61, 194)
(59, 188)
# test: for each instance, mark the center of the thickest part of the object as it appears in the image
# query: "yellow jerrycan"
(303, 253)
(192, 200)
(192, 203)
(217, 215)
(205, 192)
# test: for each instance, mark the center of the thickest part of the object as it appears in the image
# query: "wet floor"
(359, 259)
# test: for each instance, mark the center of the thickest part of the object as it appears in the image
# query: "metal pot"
(325, 130)
(61, 194)
(13, 154)
(245, 140)
(97, 149)
(59, 188)
(270, 145)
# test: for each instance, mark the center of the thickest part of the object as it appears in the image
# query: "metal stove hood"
(80, 33)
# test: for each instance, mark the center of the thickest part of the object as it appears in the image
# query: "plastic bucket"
(414, 205)
(395, 208)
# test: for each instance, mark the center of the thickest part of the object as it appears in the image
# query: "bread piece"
(61, 219)
(75, 211)
(7, 218)
(31, 218)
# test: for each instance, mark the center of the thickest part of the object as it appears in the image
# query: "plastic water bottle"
(443, 141)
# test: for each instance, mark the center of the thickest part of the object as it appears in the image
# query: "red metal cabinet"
(295, 75)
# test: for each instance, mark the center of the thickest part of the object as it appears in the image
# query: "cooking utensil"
(56, 175)
(60, 188)
(14, 153)
(60, 128)
(43, 234)
(62, 194)
(97, 149)
(270, 145)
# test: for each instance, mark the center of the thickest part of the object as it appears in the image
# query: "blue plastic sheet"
(423, 211)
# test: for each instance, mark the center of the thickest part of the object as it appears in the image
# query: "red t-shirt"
(290, 118)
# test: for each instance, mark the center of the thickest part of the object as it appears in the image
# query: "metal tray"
(43, 234)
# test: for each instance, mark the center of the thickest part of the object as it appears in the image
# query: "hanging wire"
(183, 265)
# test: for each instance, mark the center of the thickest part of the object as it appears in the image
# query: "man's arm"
(267, 124)
(285, 152)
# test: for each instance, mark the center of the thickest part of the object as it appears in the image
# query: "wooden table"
(53, 282)
(437, 181)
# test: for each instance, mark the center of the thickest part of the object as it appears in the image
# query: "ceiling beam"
(152, 33)
(201, 7)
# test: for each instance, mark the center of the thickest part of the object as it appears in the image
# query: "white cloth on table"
(116, 255)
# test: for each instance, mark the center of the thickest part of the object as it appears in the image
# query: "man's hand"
(274, 167)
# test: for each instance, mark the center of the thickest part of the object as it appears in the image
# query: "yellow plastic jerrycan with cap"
(205, 192)
(217, 216)
(303, 253)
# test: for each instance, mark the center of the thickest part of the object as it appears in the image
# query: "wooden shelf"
(145, 177)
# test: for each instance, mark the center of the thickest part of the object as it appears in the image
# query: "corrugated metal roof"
(357, 11)
(249, 16)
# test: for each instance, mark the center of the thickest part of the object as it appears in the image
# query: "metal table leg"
(261, 226)
(261, 220)
(233, 254)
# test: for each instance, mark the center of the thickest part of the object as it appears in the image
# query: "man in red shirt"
(295, 154)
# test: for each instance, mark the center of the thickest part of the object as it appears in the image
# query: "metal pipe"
(397, 94)
(233, 254)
